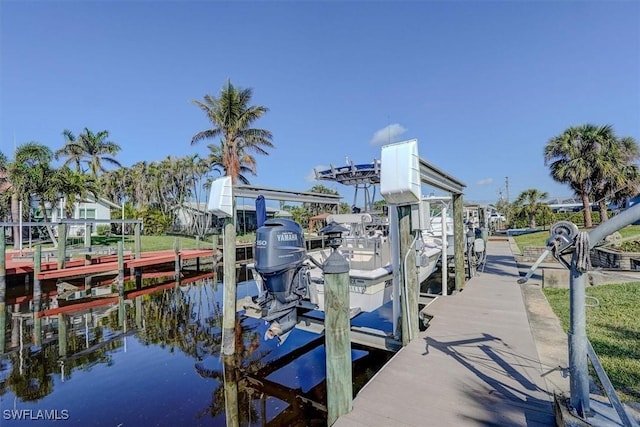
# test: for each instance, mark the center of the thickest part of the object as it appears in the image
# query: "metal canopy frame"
(439, 179)
(253, 191)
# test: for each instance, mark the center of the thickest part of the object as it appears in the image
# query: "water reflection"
(162, 365)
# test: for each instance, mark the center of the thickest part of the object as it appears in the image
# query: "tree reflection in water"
(183, 321)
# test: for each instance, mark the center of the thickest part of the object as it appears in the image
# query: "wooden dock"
(103, 264)
(476, 365)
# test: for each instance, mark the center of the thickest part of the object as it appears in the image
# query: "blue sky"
(482, 85)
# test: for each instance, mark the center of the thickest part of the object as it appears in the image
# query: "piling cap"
(335, 264)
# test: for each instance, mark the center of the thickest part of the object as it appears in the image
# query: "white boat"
(366, 247)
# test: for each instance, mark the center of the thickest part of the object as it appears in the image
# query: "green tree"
(27, 175)
(619, 176)
(232, 118)
(575, 157)
(72, 150)
(529, 202)
(94, 149)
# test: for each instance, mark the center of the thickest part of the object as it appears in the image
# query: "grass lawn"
(539, 239)
(613, 329)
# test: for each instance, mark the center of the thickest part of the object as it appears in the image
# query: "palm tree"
(620, 177)
(529, 202)
(28, 174)
(90, 148)
(72, 150)
(232, 118)
(575, 157)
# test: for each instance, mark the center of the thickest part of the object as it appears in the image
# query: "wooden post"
(410, 291)
(137, 238)
(198, 258)
(62, 245)
(176, 249)
(62, 335)
(458, 238)
(87, 237)
(120, 283)
(37, 296)
(3, 288)
(230, 291)
(337, 337)
(87, 279)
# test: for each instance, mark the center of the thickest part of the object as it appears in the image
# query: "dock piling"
(337, 337)
(62, 245)
(37, 296)
(230, 291)
(120, 283)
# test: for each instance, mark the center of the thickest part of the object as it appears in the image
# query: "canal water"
(160, 364)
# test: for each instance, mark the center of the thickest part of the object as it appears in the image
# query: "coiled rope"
(583, 260)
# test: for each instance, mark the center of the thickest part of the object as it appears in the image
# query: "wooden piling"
(230, 290)
(176, 250)
(62, 245)
(137, 239)
(37, 296)
(120, 283)
(458, 238)
(337, 337)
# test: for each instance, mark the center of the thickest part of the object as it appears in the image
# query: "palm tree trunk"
(587, 211)
(604, 215)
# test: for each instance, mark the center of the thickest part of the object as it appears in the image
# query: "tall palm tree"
(232, 118)
(72, 150)
(28, 174)
(620, 177)
(530, 202)
(91, 148)
(575, 157)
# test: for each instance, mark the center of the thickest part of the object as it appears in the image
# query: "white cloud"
(485, 182)
(388, 134)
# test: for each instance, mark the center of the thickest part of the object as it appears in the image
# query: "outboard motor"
(279, 260)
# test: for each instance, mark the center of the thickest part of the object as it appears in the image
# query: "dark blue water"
(163, 367)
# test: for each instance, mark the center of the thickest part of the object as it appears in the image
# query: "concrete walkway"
(476, 365)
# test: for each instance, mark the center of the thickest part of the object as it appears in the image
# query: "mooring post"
(3, 288)
(337, 336)
(87, 237)
(137, 238)
(458, 239)
(176, 249)
(62, 245)
(37, 296)
(120, 283)
(137, 271)
(230, 291)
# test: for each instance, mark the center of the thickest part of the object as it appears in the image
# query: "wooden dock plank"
(476, 364)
